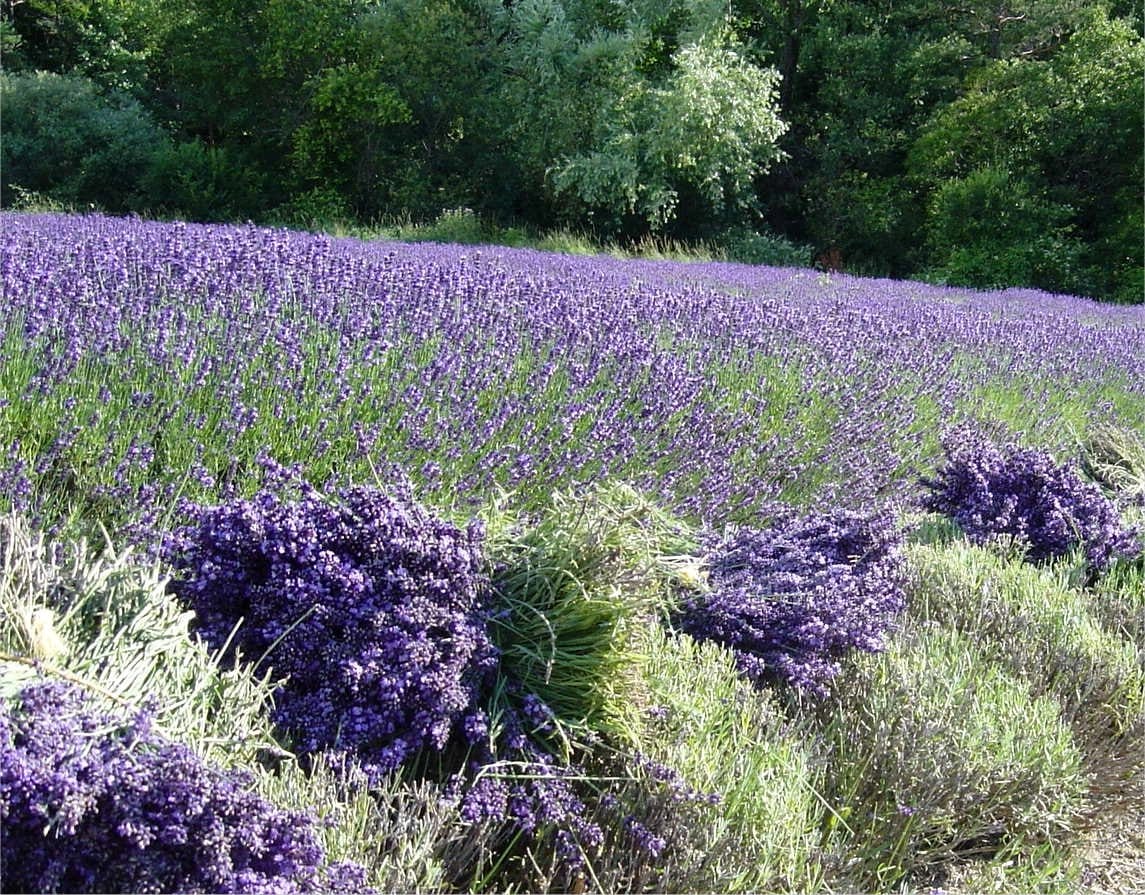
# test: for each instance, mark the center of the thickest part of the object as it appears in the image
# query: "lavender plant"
(727, 785)
(937, 754)
(1025, 494)
(1028, 619)
(793, 599)
(366, 605)
(574, 592)
(101, 615)
(146, 361)
(97, 803)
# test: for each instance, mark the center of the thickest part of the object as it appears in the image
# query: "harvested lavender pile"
(96, 803)
(373, 613)
(368, 607)
(793, 599)
(1025, 494)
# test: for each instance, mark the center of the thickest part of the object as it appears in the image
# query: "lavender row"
(145, 360)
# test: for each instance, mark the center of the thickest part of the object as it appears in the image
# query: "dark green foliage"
(69, 142)
(337, 144)
(109, 41)
(890, 103)
(864, 130)
(199, 182)
(1055, 146)
(749, 246)
(989, 230)
(447, 145)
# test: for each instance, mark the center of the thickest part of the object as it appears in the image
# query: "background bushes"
(919, 138)
(201, 182)
(989, 230)
(72, 143)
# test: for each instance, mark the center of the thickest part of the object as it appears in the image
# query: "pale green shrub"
(121, 635)
(936, 753)
(1031, 620)
(726, 738)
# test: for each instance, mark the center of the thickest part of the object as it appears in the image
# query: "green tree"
(861, 80)
(68, 141)
(988, 229)
(705, 133)
(338, 144)
(209, 81)
(625, 119)
(1069, 128)
(445, 146)
(108, 41)
(371, 105)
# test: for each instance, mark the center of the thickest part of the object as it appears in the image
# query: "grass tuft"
(1114, 457)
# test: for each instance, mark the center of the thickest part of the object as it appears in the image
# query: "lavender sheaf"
(513, 780)
(1022, 492)
(366, 605)
(791, 600)
(94, 803)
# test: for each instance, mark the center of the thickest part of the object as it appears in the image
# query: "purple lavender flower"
(513, 780)
(368, 607)
(1024, 493)
(95, 803)
(716, 387)
(791, 600)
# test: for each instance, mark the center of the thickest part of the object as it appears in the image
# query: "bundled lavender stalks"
(512, 779)
(92, 803)
(1020, 492)
(791, 600)
(367, 605)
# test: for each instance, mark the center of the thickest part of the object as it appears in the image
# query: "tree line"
(973, 142)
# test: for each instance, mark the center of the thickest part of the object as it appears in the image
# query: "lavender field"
(146, 360)
(677, 473)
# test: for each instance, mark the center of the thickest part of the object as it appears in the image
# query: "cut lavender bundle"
(793, 599)
(96, 803)
(1025, 494)
(367, 606)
